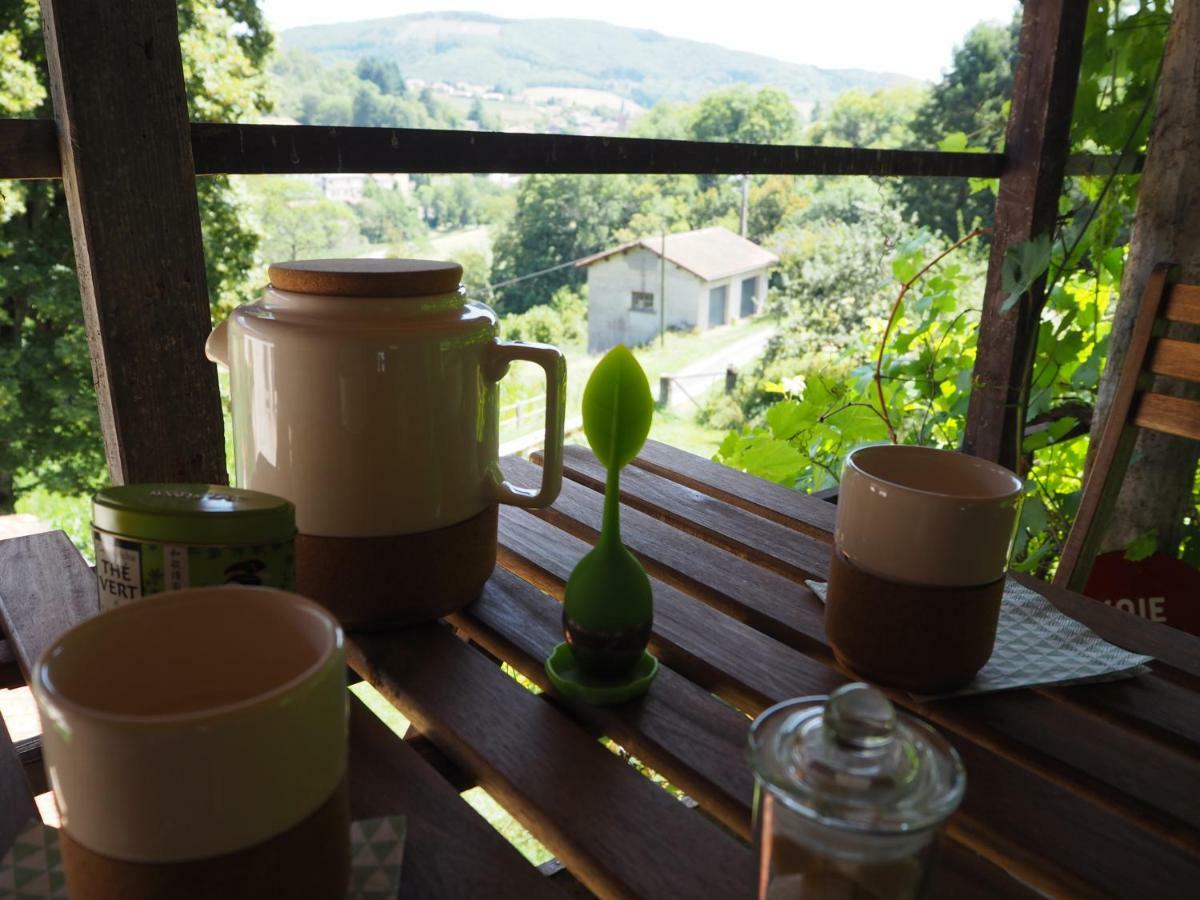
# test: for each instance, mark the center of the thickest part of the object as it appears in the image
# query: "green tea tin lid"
(194, 514)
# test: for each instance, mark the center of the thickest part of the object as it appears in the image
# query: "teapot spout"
(216, 348)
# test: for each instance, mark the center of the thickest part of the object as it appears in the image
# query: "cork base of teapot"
(379, 582)
(310, 859)
(916, 637)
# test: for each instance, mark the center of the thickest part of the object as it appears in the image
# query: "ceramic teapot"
(365, 391)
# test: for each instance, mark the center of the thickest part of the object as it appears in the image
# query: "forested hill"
(514, 54)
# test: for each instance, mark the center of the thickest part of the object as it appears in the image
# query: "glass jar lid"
(210, 514)
(851, 761)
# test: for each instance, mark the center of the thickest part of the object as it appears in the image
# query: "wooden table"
(1075, 791)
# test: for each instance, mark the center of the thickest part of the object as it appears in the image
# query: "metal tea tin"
(151, 538)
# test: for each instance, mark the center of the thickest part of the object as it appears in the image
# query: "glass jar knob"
(859, 716)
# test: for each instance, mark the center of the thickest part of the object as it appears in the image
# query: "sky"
(911, 37)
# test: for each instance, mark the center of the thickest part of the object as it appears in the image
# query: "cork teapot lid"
(366, 277)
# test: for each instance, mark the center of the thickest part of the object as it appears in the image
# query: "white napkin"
(32, 868)
(1037, 645)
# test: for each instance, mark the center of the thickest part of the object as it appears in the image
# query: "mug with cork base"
(921, 546)
(196, 744)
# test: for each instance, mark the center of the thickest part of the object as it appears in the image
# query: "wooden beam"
(116, 78)
(1036, 145)
(1157, 493)
(29, 149)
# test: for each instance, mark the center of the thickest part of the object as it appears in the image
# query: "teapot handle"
(216, 348)
(555, 366)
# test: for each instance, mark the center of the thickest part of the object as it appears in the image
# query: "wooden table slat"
(803, 512)
(683, 732)
(45, 588)
(1170, 645)
(1170, 705)
(741, 532)
(1165, 777)
(450, 850)
(749, 593)
(764, 671)
(618, 833)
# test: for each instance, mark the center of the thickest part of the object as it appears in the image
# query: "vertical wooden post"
(1157, 492)
(1035, 150)
(116, 78)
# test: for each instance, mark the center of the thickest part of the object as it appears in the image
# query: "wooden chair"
(1135, 405)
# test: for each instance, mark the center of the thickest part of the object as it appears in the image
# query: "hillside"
(515, 54)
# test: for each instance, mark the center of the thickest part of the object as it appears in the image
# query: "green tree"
(387, 216)
(558, 219)
(49, 431)
(971, 100)
(483, 117)
(383, 73)
(878, 119)
(745, 116)
(298, 222)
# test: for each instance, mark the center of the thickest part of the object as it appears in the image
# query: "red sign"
(1159, 588)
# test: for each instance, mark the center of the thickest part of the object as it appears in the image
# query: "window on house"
(642, 300)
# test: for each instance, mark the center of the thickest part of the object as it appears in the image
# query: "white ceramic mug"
(377, 415)
(918, 515)
(195, 724)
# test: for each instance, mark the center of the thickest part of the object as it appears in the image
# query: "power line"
(536, 274)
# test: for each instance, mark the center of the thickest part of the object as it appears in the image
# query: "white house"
(709, 277)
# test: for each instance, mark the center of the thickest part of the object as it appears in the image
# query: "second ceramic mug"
(196, 746)
(921, 547)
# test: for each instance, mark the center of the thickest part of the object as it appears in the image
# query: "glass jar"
(849, 796)
(151, 538)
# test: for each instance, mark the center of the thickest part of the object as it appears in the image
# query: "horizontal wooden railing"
(29, 149)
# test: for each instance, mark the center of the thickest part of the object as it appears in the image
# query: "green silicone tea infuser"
(609, 606)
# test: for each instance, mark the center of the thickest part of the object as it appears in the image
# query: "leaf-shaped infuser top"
(617, 408)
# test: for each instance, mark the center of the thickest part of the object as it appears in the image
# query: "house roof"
(708, 253)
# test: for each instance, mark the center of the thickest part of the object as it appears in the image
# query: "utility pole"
(745, 202)
(662, 291)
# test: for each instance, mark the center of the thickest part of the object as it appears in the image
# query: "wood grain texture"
(804, 512)
(613, 828)
(293, 149)
(1171, 646)
(16, 799)
(1079, 745)
(46, 587)
(450, 850)
(1109, 460)
(1030, 725)
(678, 729)
(1168, 415)
(1183, 304)
(1178, 359)
(1036, 144)
(742, 590)
(737, 530)
(753, 672)
(28, 149)
(121, 111)
(729, 658)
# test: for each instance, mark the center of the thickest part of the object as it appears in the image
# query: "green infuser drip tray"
(573, 684)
